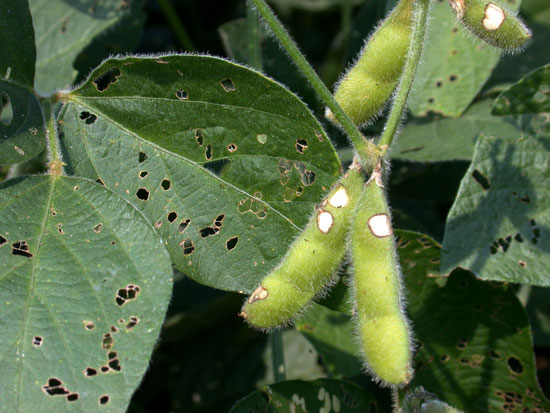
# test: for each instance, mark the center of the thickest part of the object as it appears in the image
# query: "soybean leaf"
(85, 282)
(63, 29)
(538, 309)
(21, 124)
(440, 139)
(331, 333)
(309, 396)
(530, 95)
(455, 66)
(499, 224)
(227, 163)
(17, 40)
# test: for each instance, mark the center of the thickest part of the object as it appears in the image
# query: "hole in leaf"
(37, 341)
(6, 110)
(183, 225)
(505, 243)
(127, 294)
(112, 355)
(98, 227)
(104, 399)
(453, 78)
(115, 365)
(172, 216)
(299, 191)
(522, 263)
(518, 237)
(55, 388)
(231, 147)
(3, 240)
(72, 397)
(218, 222)
(88, 117)
(100, 181)
(89, 325)
(132, 322)
(165, 184)
(301, 145)
(431, 100)
(228, 85)
(142, 194)
(494, 355)
(199, 136)
(515, 365)
(439, 83)
(231, 243)
(182, 94)
(142, 157)
(104, 369)
(158, 224)
(107, 78)
(525, 199)
(208, 152)
(143, 174)
(21, 248)
(208, 231)
(64, 25)
(308, 177)
(481, 179)
(90, 372)
(107, 341)
(188, 246)
(114, 329)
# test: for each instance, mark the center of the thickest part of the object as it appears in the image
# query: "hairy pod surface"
(381, 324)
(364, 89)
(311, 261)
(492, 23)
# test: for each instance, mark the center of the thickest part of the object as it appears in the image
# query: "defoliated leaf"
(442, 139)
(227, 163)
(297, 396)
(22, 131)
(84, 285)
(17, 40)
(63, 29)
(530, 95)
(499, 224)
(454, 67)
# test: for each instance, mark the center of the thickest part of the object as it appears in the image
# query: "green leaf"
(441, 139)
(331, 333)
(454, 68)
(84, 285)
(308, 396)
(499, 224)
(538, 309)
(63, 29)
(17, 40)
(22, 130)
(227, 163)
(530, 95)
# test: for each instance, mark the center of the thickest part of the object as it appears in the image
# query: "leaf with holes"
(530, 95)
(499, 224)
(454, 67)
(21, 124)
(84, 285)
(442, 139)
(227, 163)
(63, 29)
(309, 396)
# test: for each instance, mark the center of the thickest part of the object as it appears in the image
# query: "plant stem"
(253, 37)
(277, 356)
(176, 25)
(415, 50)
(55, 166)
(368, 154)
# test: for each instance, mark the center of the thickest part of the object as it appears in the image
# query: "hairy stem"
(368, 154)
(277, 356)
(176, 25)
(56, 164)
(253, 36)
(415, 50)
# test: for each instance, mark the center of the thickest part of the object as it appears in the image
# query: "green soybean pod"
(364, 89)
(492, 23)
(382, 327)
(312, 259)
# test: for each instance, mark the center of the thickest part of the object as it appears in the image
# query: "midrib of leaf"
(164, 151)
(31, 293)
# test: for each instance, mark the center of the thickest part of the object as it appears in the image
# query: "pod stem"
(277, 356)
(400, 101)
(55, 167)
(361, 144)
(253, 36)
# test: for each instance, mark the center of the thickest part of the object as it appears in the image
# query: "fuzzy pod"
(365, 88)
(382, 327)
(311, 261)
(492, 23)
